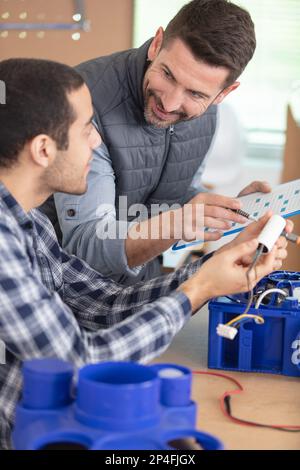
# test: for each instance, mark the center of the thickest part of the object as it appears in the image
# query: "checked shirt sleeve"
(35, 322)
(100, 302)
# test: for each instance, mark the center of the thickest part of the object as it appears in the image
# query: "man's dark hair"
(217, 32)
(36, 103)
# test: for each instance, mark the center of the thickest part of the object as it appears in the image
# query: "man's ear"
(43, 150)
(222, 95)
(155, 45)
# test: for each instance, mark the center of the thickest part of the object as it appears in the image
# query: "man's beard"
(63, 178)
(154, 120)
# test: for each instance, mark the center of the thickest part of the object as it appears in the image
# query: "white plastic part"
(296, 293)
(170, 373)
(266, 292)
(271, 232)
(226, 331)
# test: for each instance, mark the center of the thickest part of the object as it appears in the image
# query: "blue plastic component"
(273, 347)
(175, 385)
(116, 405)
(42, 380)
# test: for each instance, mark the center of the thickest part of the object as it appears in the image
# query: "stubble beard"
(154, 120)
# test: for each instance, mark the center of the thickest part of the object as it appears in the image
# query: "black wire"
(227, 403)
(256, 257)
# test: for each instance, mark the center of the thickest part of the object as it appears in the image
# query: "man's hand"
(256, 187)
(226, 272)
(217, 215)
(253, 230)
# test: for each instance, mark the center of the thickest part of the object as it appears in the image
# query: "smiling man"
(178, 87)
(155, 108)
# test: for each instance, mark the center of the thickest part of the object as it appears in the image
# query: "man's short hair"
(36, 103)
(217, 32)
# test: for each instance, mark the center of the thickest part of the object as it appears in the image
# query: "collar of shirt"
(23, 219)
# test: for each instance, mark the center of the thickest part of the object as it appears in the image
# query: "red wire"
(236, 392)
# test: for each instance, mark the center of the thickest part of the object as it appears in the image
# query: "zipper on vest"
(169, 134)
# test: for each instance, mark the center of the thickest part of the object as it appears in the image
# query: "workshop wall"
(109, 29)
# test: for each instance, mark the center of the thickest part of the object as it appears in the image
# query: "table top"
(267, 398)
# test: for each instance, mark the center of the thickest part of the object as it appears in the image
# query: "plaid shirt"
(55, 305)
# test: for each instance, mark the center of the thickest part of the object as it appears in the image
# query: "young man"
(53, 304)
(155, 109)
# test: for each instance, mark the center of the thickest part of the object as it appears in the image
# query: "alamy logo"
(156, 221)
(2, 92)
(2, 353)
(296, 353)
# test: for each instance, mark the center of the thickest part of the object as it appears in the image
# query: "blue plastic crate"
(273, 347)
(115, 405)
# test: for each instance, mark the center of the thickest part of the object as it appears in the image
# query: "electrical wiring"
(236, 322)
(225, 404)
(229, 331)
(266, 292)
(245, 315)
(258, 318)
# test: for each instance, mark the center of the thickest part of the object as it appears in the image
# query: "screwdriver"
(244, 214)
(291, 237)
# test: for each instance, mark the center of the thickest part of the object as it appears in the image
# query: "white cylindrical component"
(271, 232)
